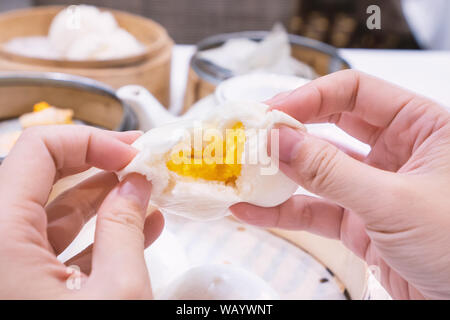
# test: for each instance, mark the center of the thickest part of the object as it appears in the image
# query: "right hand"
(391, 207)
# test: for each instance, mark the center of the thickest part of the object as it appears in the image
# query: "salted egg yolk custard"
(200, 171)
(220, 160)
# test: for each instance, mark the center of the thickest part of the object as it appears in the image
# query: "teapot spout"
(149, 111)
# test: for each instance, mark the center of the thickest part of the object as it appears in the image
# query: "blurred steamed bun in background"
(271, 55)
(84, 32)
(79, 32)
(76, 22)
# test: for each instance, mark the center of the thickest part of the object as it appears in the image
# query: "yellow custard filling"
(219, 160)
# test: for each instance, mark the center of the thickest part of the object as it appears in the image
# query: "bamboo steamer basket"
(92, 102)
(151, 69)
(348, 269)
(203, 77)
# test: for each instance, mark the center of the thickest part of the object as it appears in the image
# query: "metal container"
(205, 76)
(93, 103)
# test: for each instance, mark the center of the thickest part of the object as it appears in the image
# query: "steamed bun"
(84, 32)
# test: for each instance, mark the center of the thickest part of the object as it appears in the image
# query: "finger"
(325, 170)
(298, 213)
(127, 137)
(69, 212)
(347, 91)
(310, 214)
(41, 152)
(153, 227)
(350, 151)
(118, 256)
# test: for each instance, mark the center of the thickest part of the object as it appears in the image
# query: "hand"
(390, 208)
(33, 234)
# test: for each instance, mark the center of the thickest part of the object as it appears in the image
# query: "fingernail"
(136, 187)
(289, 143)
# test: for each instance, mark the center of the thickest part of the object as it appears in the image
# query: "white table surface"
(425, 72)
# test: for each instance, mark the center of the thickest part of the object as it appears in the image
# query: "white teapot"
(252, 87)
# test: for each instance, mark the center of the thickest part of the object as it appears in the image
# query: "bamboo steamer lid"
(151, 69)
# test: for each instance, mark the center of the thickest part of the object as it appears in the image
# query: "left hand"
(33, 233)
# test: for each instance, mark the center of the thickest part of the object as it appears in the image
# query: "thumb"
(325, 170)
(118, 264)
